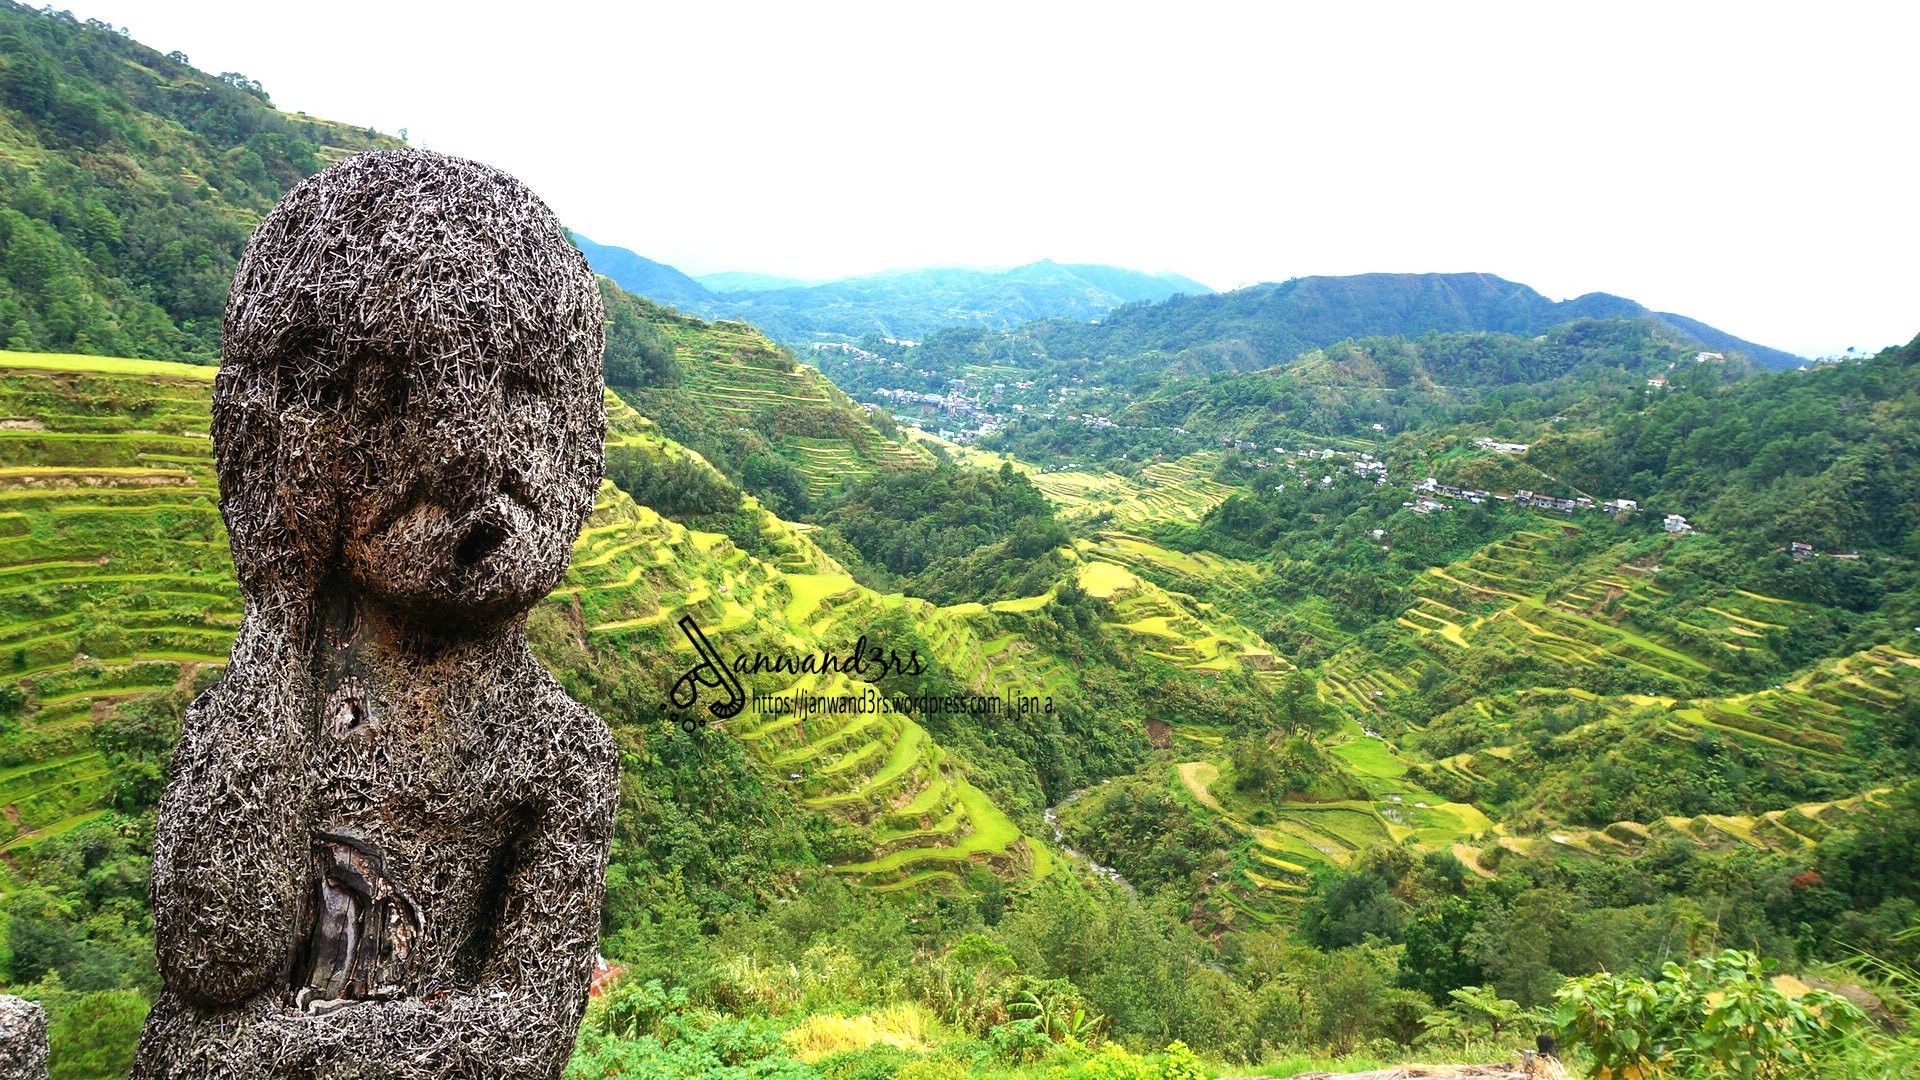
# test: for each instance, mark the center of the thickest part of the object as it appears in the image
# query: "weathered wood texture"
(23, 1040)
(382, 848)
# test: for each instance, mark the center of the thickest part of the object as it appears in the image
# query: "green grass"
(106, 365)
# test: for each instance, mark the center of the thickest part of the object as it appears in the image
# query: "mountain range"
(1270, 324)
(1108, 311)
(897, 304)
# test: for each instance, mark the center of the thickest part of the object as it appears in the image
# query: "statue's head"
(409, 402)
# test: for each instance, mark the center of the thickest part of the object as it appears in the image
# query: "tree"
(1302, 713)
(1518, 944)
(137, 738)
(1437, 960)
(637, 353)
(94, 1035)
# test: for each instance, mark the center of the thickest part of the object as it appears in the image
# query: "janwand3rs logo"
(711, 672)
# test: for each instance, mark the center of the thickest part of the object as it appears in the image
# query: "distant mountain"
(642, 276)
(746, 281)
(900, 304)
(1270, 324)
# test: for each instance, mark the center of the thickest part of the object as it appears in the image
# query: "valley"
(1335, 672)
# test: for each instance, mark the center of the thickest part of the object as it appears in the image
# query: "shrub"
(1721, 1015)
(901, 1026)
(1115, 1062)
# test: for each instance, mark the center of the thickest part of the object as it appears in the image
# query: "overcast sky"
(1749, 165)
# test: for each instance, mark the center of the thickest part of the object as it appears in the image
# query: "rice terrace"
(1313, 675)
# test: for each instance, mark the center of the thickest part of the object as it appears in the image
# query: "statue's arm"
(230, 852)
(519, 1021)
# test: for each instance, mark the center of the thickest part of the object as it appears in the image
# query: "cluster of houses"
(1578, 502)
(910, 397)
(1428, 494)
(1359, 463)
(961, 416)
(1431, 487)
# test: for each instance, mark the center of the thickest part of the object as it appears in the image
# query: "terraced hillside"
(1810, 722)
(1282, 843)
(114, 576)
(636, 573)
(1791, 829)
(1169, 491)
(1173, 626)
(1571, 618)
(733, 377)
(1436, 805)
(1574, 617)
(115, 582)
(1177, 492)
(1600, 623)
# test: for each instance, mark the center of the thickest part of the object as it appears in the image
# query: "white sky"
(1749, 165)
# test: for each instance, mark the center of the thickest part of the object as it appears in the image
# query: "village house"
(1658, 382)
(1545, 502)
(1432, 486)
(1674, 523)
(1801, 550)
(1622, 506)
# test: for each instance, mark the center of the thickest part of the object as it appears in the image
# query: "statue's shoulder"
(580, 738)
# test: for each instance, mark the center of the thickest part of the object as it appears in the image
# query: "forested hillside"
(1268, 324)
(130, 181)
(1366, 389)
(774, 425)
(1060, 366)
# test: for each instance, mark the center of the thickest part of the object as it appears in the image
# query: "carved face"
(466, 480)
(410, 398)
